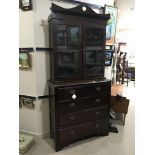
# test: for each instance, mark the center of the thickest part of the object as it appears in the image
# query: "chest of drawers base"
(79, 111)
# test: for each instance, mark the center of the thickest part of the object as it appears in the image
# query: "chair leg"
(127, 80)
(124, 119)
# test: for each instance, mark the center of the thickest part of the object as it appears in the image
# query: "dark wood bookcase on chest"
(79, 95)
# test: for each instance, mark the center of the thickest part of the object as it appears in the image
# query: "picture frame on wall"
(25, 5)
(111, 24)
(24, 60)
(28, 103)
(108, 57)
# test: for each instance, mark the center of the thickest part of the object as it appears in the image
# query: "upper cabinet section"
(77, 39)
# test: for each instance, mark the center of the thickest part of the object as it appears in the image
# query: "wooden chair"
(120, 104)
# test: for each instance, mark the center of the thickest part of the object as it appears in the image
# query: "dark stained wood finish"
(73, 119)
(77, 11)
(69, 135)
(83, 3)
(82, 103)
(74, 17)
(72, 33)
(119, 104)
(80, 90)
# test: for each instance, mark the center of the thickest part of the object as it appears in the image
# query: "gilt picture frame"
(24, 60)
(28, 103)
(25, 5)
(111, 24)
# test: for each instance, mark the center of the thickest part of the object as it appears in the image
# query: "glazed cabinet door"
(67, 50)
(93, 50)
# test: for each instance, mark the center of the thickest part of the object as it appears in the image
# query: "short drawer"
(74, 118)
(83, 104)
(79, 91)
(68, 135)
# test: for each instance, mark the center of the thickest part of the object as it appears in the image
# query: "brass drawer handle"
(72, 91)
(72, 105)
(72, 133)
(98, 88)
(97, 112)
(98, 100)
(72, 118)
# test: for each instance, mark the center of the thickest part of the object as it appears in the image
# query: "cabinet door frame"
(87, 25)
(67, 22)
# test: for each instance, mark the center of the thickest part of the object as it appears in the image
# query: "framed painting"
(111, 24)
(24, 60)
(108, 57)
(28, 103)
(25, 5)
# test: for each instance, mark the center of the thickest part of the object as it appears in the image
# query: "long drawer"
(83, 103)
(74, 118)
(66, 93)
(68, 135)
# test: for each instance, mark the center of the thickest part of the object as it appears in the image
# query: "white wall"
(26, 28)
(33, 32)
(126, 25)
(27, 79)
(126, 13)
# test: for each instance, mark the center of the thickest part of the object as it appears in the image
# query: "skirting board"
(38, 136)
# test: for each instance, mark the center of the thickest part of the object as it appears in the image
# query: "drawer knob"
(98, 88)
(97, 112)
(72, 118)
(73, 133)
(73, 96)
(72, 91)
(98, 100)
(72, 104)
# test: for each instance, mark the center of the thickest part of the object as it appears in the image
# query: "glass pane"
(91, 69)
(68, 59)
(93, 42)
(64, 72)
(68, 38)
(61, 38)
(94, 57)
(67, 64)
(94, 36)
(61, 35)
(73, 36)
(68, 51)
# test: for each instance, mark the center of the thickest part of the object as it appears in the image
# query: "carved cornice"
(80, 10)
